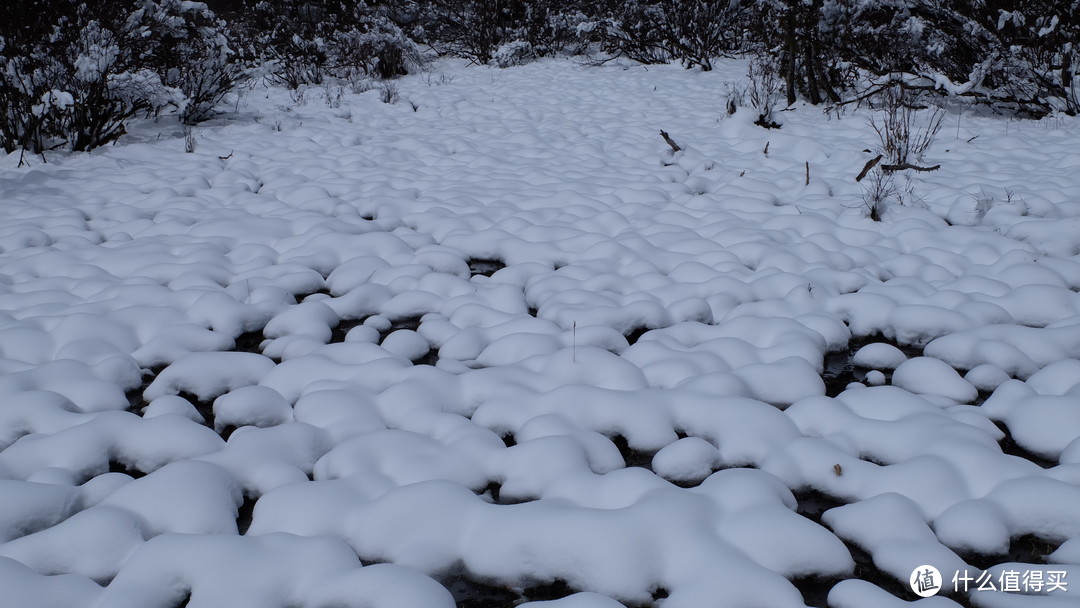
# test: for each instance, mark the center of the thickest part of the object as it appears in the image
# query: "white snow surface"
(356, 353)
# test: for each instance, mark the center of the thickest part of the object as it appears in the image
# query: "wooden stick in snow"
(908, 166)
(867, 167)
(674, 146)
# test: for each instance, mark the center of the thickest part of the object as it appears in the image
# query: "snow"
(688, 459)
(251, 406)
(973, 526)
(890, 527)
(353, 356)
(879, 356)
(926, 375)
(209, 375)
(855, 593)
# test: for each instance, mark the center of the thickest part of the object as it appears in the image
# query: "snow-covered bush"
(513, 53)
(287, 36)
(694, 32)
(79, 83)
(1023, 57)
(30, 89)
(379, 49)
(190, 48)
(878, 192)
(306, 41)
(763, 89)
(73, 72)
(905, 130)
(1037, 41)
(498, 30)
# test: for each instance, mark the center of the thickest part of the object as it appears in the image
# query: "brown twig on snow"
(674, 146)
(867, 167)
(908, 166)
(807, 173)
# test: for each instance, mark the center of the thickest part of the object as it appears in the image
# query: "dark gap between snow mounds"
(338, 333)
(136, 403)
(484, 267)
(1025, 549)
(249, 342)
(815, 591)
(840, 370)
(492, 493)
(634, 334)
(412, 323)
(115, 466)
(1010, 447)
(469, 592)
(632, 457)
(245, 513)
(644, 459)
(811, 505)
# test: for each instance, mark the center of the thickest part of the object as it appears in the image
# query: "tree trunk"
(1066, 71)
(813, 93)
(790, 49)
(1072, 104)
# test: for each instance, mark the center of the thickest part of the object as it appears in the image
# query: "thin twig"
(867, 167)
(908, 166)
(574, 334)
(674, 146)
(867, 95)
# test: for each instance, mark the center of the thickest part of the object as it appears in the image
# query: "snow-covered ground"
(498, 337)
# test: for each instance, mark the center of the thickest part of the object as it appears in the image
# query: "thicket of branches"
(1019, 54)
(308, 41)
(73, 71)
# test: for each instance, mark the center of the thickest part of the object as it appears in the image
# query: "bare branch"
(908, 166)
(674, 146)
(867, 167)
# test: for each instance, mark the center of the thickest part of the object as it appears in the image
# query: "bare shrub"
(878, 192)
(506, 31)
(309, 42)
(73, 73)
(904, 129)
(189, 139)
(694, 32)
(765, 89)
(388, 92)
(734, 97)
